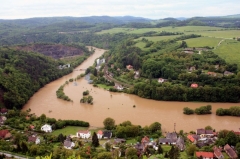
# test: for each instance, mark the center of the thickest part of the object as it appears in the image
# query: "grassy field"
(104, 86)
(189, 29)
(141, 45)
(203, 41)
(230, 51)
(219, 34)
(69, 130)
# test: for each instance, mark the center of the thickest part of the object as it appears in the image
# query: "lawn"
(230, 51)
(104, 86)
(203, 41)
(69, 130)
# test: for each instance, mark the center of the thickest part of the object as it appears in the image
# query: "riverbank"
(119, 106)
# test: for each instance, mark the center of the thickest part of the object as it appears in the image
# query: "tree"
(105, 155)
(238, 148)
(108, 146)
(155, 127)
(231, 138)
(208, 128)
(160, 150)
(131, 153)
(95, 141)
(191, 150)
(109, 123)
(188, 111)
(174, 153)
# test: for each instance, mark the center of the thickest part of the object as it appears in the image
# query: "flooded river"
(119, 106)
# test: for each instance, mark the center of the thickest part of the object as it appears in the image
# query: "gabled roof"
(194, 85)
(165, 140)
(145, 139)
(190, 137)
(3, 110)
(32, 138)
(200, 131)
(217, 152)
(67, 143)
(172, 136)
(231, 153)
(3, 133)
(204, 154)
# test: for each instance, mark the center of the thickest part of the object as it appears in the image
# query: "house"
(171, 138)
(118, 87)
(3, 110)
(204, 155)
(129, 67)
(84, 134)
(107, 134)
(139, 147)
(31, 127)
(165, 141)
(192, 69)
(100, 134)
(145, 140)
(5, 134)
(212, 74)
(161, 80)
(112, 65)
(204, 132)
(231, 153)
(68, 144)
(180, 144)
(194, 85)
(46, 128)
(2, 120)
(217, 152)
(34, 139)
(227, 73)
(136, 74)
(191, 138)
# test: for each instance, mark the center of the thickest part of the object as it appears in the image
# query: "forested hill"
(22, 74)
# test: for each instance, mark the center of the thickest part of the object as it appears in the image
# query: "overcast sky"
(154, 9)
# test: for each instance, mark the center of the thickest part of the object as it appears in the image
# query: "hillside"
(23, 73)
(54, 51)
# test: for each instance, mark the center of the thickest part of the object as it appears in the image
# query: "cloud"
(155, 9)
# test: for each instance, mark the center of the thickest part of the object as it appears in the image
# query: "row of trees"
(199, 111)
(232, 111)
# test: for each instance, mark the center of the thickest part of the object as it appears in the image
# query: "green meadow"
(158, 38)
(203, 41)
(230, 51)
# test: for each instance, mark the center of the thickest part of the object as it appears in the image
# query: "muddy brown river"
(119, 106)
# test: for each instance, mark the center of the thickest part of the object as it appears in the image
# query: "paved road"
(10, 155)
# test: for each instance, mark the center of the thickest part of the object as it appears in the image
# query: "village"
(202, 143)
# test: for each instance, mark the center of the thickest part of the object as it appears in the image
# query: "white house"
(100, 134)
(160, 80)
(84, 134)
(98, 61)
(46, 128)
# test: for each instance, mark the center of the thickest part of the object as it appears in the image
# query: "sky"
(153, 9)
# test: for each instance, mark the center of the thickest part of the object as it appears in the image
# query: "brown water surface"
(119, 106)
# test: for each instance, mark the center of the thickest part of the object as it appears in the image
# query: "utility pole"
(174, 127)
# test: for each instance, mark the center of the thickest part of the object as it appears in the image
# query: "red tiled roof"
(190, 137)
(231, 153)
(204, 154)
(194, 85)
(3, 133)
(100, 132)
(217, 152)
(145, 139)
(4, 110)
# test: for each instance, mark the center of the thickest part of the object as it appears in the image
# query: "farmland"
(230, 51)
(203, 41)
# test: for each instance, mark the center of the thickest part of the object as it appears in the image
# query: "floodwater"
(119, 106)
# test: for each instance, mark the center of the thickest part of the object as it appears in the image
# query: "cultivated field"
(158, 38)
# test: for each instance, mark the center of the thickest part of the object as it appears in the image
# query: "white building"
(84, 134)
(46, 128)
(100, 134)
(98, 61)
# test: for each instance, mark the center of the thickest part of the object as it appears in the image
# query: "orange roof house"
(129, 67)
(205, 155)
(194, 85)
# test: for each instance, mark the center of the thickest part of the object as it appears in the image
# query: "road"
(10, 155)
